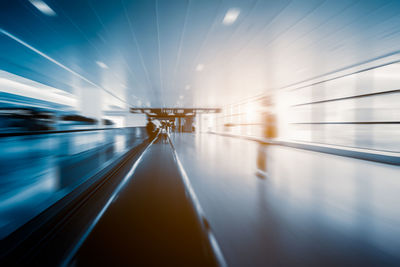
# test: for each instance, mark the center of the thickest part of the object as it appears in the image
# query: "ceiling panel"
(145, 53)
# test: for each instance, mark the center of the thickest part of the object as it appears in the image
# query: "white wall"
(135, 120)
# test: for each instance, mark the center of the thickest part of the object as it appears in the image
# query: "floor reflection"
(312, 208)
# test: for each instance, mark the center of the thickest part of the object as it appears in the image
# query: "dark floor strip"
(152, 221)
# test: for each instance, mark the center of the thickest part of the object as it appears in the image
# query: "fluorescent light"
(43, 7)
(231, 15)
(200, 67)
(181, 97)
(101, 64)
(187, 87)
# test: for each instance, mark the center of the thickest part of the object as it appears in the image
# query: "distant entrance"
(175, 119)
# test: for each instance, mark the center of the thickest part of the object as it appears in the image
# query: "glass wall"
(360, 110)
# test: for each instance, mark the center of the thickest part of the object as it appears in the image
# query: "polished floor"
(312, 209)
(151, 222)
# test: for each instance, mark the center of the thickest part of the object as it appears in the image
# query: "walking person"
(269, 133)
(151, 129)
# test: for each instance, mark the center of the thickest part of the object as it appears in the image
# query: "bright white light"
(181, 97)
(101, 64)
(231, 15)
(13, 84)
(251, 112)
(200, 67)
(43, 7)
(187, 87)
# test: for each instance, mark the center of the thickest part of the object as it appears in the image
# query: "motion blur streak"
(54, 61)
(112, 198)
(200, 212)
(265, 132)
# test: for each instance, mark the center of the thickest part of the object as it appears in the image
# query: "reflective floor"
(312, 208)
(151, 222)
(38, 170)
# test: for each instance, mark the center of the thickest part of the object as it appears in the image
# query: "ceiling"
(179, 53)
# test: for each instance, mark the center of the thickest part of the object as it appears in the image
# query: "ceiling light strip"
(58, 63)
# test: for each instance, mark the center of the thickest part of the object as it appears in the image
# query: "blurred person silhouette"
(164, 127)
(151, 129)
(168, 126)
(269, 132)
